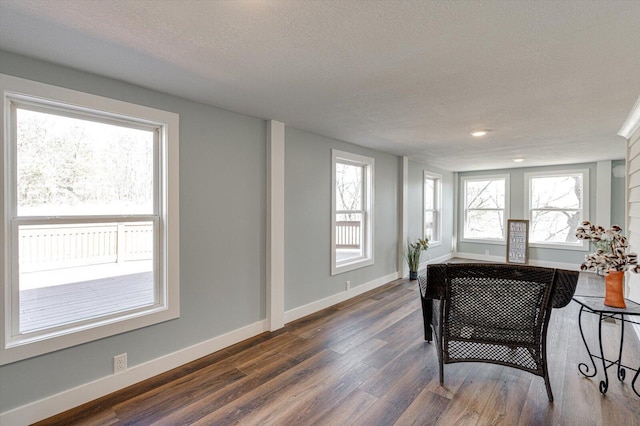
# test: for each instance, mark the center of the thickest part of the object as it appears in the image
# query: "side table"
(595, 305)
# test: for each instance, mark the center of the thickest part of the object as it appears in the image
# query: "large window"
(352, 211)
(90, 209)
(432, 203)
(558, 203)
(485, 208)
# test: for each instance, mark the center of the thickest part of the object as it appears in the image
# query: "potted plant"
(609, 260)
(412, 255)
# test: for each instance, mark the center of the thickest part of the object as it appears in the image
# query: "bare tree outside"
(72, 166)
(484, 209)
(556, 206)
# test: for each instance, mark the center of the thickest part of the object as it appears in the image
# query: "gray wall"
(222, 232)
(308, 218)
(416, 203)
(518, 206)
(222, 238)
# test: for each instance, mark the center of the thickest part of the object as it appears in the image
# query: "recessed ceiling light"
(518, 160)
(478, 133)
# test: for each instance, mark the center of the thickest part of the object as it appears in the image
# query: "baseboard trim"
(71, 398)
(52, 405)
(334, 299)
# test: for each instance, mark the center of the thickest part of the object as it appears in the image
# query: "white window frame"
(437, 204)
(368, 164)
(582, 245)
(14, 346)
(505, 216)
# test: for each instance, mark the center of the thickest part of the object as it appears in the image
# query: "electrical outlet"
(348, 285)
(119, 363)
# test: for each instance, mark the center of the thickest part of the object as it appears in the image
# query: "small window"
(557, 206)
(88, 218)
(432, 203)
(485, 208)
(352, 212)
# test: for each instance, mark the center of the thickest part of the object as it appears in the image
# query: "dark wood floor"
(364, 362)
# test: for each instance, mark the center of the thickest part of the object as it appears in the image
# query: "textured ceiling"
(552, 81)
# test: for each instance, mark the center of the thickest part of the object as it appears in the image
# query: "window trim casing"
(368, 203)
(438, 204)
(583, 245)
(14, 89)
(506, 209)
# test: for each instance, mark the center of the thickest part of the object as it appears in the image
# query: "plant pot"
(613, 295)
(413, 275)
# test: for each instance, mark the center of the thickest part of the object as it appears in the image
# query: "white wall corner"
(275, 224)
(403, 269)
(603, 193)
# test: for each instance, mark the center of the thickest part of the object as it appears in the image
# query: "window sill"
(350, 266)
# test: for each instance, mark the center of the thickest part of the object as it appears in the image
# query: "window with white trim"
(90, 213)
(485, 208)
(352, 211)
(432, 203)
(557, 205)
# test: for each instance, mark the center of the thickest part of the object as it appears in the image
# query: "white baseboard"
(438, 259)
(52, 405)
(68, 399)
(334, 299)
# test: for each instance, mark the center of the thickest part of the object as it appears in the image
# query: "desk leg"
(582, 367)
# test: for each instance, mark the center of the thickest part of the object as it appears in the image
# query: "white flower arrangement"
(611, 250)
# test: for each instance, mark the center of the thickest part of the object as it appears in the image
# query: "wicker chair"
(495, 313)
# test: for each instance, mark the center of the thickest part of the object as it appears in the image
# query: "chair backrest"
(564, 281)
(497, 302)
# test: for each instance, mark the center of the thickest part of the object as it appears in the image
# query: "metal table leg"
(582, 367)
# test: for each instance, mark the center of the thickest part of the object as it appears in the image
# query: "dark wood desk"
(595, 305)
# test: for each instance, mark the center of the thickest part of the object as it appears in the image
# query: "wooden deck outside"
(67, 303)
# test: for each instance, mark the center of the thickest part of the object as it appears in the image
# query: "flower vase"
(413, 275)
(613, 290)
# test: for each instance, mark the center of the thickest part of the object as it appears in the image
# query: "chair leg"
(440, 360)
(549, 393)
(427, 309)
(547, 383)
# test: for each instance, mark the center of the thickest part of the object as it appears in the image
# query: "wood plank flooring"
(364, 362)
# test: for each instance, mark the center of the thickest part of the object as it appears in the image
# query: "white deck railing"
(348, 234)
(50, 247)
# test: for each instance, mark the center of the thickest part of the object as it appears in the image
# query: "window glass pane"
(429, 194)
(71, 273)
(554, 226)
(348, 186)
(429, 224)
(485, 194)
(349, 232)
(484, 224)
(72, 166)
(561, 192)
